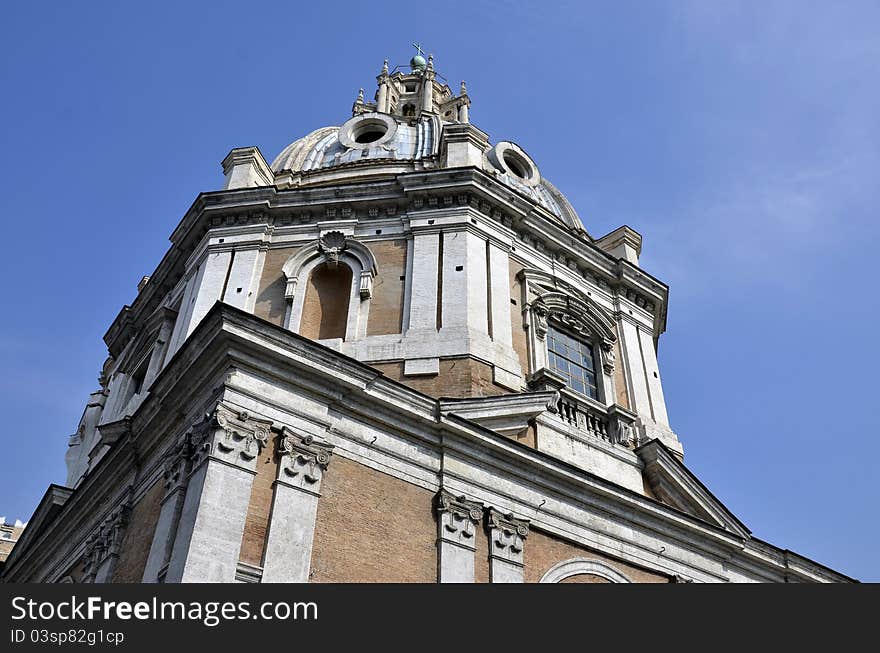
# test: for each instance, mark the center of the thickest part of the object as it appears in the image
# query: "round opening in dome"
(369, 135)
(366, 131)
(516, 165)
(509, 159)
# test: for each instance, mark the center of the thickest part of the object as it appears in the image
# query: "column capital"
(507, 536)
(231, 436)
(304, 459)
(176, 464)
(457, 519)
(104, 544)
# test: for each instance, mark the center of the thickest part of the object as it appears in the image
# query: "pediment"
(46, 512)
(675, 485)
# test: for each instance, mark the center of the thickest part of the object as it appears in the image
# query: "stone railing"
(614, 424)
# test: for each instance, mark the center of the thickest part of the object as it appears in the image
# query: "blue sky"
(742, 139)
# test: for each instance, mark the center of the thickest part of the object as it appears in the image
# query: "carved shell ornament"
(332, 244)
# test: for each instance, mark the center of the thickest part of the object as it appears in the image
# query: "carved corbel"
(624, 433)
(540, 312)
(290, 288)
(366, 285)
(608, 358)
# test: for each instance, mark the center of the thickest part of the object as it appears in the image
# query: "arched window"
(574, 338)
(573, 357)
(325, 307)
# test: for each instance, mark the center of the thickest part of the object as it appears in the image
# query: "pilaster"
(465, 282)
(457, 521)
(225, 449)
(423, 289)
(303, 461)
(206, 290)
(507, 537)
(176, 469)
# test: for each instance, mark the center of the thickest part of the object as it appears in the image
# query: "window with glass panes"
(573, 359)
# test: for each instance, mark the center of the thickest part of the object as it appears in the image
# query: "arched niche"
(582, 566)
(333, 248)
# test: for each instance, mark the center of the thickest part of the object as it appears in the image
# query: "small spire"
(463, 89)
(430, 62)
(358, 106)
(385, 67)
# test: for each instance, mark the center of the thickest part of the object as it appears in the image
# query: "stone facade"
(351, 366)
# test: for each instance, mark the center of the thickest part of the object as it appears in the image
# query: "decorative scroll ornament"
(507, 536)
(230, 435)
(303, 460)
(332, 244)
(608, 358)
(540, 312)
(457, 518)
(624, 433)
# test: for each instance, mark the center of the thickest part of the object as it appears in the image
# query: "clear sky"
(742, 139)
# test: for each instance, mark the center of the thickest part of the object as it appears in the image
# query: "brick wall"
(458, 377)
(139, 535)
(256, 525)
(325, 307)
(372, 527)
(270, 296)
(481, 555)
(386, 305)
(622, 396)
(520, 345)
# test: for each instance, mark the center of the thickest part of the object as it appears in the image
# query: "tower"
(394, 354)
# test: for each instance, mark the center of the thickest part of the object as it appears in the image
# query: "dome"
(418, 62)
(407, 144)
(367, 137)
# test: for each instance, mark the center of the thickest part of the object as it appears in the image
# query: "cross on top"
(418, 47)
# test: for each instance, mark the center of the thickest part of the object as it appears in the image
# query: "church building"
(394, 354)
